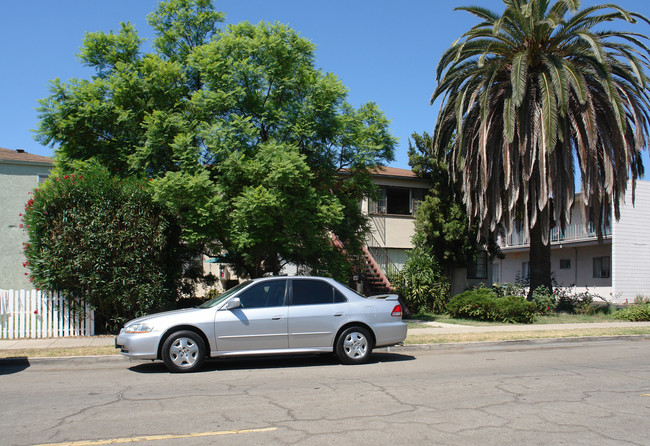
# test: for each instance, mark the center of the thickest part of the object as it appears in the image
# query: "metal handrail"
(573, 232)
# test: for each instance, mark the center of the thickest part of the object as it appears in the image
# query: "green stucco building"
(20, 173)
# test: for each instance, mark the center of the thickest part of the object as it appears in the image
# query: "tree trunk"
(540, 260)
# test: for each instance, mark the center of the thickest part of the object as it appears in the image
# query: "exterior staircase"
(375, 281)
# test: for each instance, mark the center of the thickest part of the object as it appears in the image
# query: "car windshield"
(225, 295)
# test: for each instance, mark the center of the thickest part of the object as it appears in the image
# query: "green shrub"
(634, 313)
(483, 304)
(641, 299)
(104, 241)
(474, 304)
(581, 303)
(544, 300)
(516, 309)
(421, 283)
(574, 303)
(509, 289)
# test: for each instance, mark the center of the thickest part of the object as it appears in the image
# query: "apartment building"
(616, 268)
(392, 222)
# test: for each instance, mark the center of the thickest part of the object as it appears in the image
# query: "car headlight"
(138, 328)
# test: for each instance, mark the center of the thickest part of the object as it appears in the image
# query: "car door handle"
(276, 318)
(338, 314)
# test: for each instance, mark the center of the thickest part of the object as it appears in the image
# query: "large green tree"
(529, 94)
(441, 223)
(245, 138)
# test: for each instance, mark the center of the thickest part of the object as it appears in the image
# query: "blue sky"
(383, 51)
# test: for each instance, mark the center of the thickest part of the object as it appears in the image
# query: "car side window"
(339, 297)
(314, 292)
(264, 294)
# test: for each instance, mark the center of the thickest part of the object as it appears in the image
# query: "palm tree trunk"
(540, 260)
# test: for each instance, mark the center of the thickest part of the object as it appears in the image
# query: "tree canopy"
(244, 137)
(529, 94)
(441, 224)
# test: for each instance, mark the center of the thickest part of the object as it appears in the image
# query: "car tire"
(183, 351)
(354, 346)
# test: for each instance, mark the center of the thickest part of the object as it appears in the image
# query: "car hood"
(164, 315)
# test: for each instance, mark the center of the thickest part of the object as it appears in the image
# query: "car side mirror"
(233, 303)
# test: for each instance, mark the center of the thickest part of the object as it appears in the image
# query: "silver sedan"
(273, 315)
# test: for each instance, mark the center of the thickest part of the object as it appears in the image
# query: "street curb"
(22, 360)
(513, 342)
(18, 360)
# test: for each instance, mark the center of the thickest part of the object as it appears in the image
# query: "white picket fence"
(41, 314)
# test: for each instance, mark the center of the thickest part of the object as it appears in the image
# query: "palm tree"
(530, 94)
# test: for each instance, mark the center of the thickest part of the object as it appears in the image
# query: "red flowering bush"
(104, 241)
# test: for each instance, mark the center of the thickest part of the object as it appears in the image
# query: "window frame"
(382, 204)
(262, 284)
(337, 295)
(473, 266)
(599, 272)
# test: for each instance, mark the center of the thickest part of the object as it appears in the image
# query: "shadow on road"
(269, 362)
(13, 365)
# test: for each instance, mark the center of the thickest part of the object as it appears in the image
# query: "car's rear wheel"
(354, 346)
(183, 351)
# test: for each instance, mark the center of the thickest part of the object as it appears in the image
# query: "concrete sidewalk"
(425, 328)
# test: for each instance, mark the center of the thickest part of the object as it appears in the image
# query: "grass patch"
(513, 336)
(555, 318)
(446, 319)
(566, 318)
(59, 352)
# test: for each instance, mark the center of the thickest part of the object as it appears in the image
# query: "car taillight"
(397, 311)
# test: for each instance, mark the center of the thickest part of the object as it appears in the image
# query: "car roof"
(260, 279)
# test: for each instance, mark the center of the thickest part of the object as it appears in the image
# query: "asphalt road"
(545, 392)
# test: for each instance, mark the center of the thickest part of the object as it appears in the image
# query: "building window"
(565, 263)
(397, 201)
(495, 273)
(601, 267)
(477, 268)
(417, 195)
(525, 270)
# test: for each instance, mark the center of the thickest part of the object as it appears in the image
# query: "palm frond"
(537, 97)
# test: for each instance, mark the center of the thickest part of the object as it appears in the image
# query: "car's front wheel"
(354, 346)
(183, 351)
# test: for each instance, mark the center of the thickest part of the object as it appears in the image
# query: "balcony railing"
(575, 232)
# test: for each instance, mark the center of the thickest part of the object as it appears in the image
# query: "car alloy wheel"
(354, 346)
(183, 351)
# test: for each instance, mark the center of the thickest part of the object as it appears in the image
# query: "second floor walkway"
(572, 233)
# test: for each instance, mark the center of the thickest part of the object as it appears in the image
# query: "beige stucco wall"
(579, 275)
(16, 181)
(399, 231)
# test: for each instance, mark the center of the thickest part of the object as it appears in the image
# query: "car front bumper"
(138, 345)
